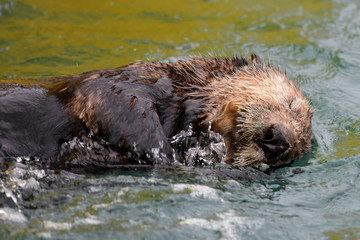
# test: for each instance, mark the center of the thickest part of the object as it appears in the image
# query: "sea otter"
(133, 111)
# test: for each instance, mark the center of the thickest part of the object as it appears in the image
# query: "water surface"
(316, 41)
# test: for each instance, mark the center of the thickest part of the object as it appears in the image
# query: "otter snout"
(275, 141)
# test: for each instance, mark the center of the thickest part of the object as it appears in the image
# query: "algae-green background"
(41, 38)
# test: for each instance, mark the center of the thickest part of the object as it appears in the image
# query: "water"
(317, 197)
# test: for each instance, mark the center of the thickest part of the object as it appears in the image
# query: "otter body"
(133, 111)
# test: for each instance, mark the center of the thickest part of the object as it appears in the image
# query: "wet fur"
(134, 110)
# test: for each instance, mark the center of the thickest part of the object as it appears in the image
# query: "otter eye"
(291, 103)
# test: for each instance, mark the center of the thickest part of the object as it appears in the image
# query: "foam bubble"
(198, 191)
(12, 215)
(228, 223)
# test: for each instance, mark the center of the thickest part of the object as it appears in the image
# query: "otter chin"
(133, 111)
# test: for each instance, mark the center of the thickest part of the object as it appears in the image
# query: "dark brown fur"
(261, 114)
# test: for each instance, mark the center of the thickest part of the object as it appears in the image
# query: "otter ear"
(255, 58)
(225, 121)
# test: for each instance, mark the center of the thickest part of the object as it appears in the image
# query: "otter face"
(270, 121)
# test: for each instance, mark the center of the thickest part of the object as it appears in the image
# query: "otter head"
(264, 118)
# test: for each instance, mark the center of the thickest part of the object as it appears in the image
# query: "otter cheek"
(226, 130)
(225, 125)
(231, 141)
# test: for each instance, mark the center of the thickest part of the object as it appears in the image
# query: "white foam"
(198, 191)
(38, 173)
(12, 215)
(106, 205)
(90, 220)
(227, 223)
(8, 192)
(57, 225)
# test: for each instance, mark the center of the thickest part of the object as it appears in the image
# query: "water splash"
(199, 149)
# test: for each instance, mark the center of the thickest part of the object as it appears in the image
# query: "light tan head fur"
(262, 115)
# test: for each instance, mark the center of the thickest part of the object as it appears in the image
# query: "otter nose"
(273, 142)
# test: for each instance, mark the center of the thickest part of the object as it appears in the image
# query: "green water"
(316, 41)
